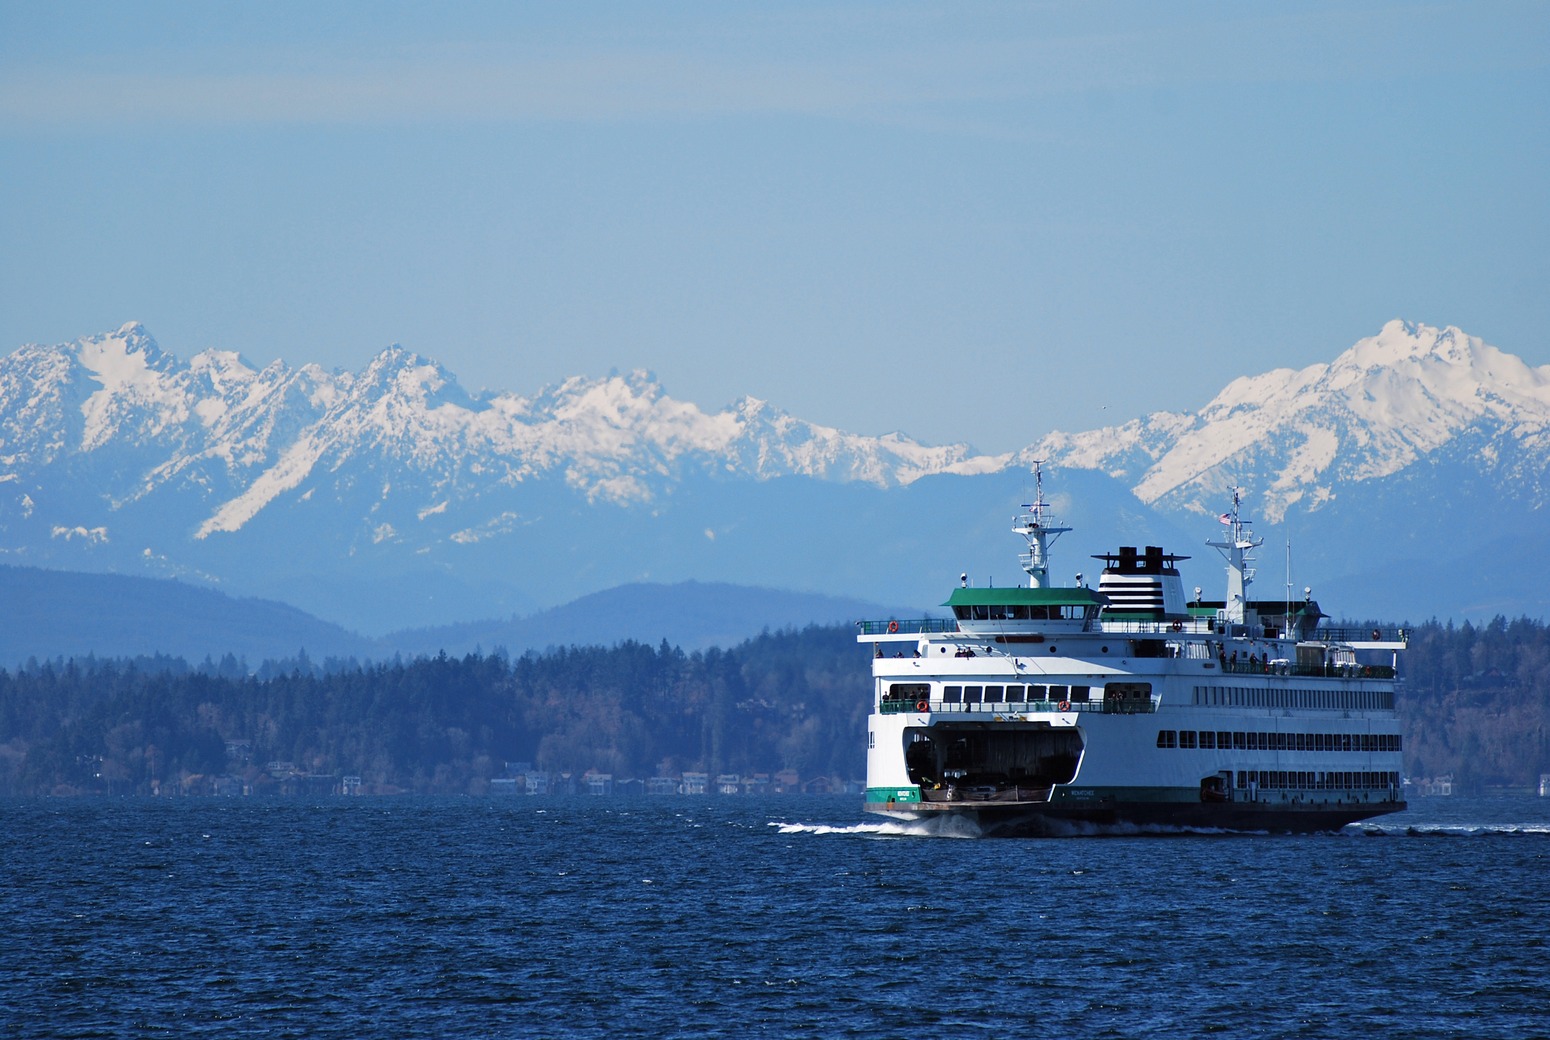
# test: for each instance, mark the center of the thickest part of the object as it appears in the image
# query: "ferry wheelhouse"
(1046, 710)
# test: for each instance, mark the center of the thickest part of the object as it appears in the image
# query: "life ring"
(1065, 705)
(1178, 626)
(893, 626)
(922, 706)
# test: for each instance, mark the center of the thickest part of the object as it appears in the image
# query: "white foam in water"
(951, 826)
(1399, 829)
(948, 827)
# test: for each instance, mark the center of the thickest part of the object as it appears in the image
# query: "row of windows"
(1213, 739)
(1022, 612)
(1014, 694)
(1283, 697)
(1305, 780)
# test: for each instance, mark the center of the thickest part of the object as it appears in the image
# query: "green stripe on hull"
(883, 795)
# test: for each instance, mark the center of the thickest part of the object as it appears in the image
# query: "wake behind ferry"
(1039, 709)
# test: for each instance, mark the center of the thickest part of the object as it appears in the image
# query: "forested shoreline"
(1475, 705)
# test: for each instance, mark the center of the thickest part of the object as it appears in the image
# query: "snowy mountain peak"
(135, 334)
(1293, 436)
(404, 370)
(131, 347)
(1405, 349)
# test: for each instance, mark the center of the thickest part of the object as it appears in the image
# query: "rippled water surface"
(757, 918)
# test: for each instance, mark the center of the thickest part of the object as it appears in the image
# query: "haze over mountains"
(46, 615)
(1410, 473)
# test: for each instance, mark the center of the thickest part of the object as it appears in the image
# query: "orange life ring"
(1065, 705)
(893, 626)
(922, 706)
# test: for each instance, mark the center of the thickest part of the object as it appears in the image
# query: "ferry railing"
(1317, 671)
(1116, 706)
(918, 626)
(1353, 634)
(1149, 627)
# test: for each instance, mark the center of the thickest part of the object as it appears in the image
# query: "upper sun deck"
(1039, 607)
(988, 614)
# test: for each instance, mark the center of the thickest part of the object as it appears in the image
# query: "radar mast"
(1040, 529)
(1238, 549)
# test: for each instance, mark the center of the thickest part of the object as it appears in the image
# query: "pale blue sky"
(969, 222)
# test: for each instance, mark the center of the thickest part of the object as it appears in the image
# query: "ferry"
(1042, 710)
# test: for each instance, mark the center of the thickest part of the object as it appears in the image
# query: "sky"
(969, 222)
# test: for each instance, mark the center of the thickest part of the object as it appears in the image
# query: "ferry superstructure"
(1040, 709)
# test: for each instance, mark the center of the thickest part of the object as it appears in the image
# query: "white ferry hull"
(1038, 770)
(1118, 815)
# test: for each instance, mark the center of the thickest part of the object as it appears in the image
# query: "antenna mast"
(1238, 549)
(1040, 529)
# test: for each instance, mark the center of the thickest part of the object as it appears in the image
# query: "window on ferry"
(1223, 739)
(911, 692)
(1080, 693)
(1037, 693)
(952, 694)
(1208, 740)
(1014, 694)
(1186, 738)
(1167, 738)
(981, 613)
(1020, 612)
(994, 694)
(1132, 690)
(971, 694)
(1059, 693)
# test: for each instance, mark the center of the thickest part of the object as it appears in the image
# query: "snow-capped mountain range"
(1408, 395)
(393, 497)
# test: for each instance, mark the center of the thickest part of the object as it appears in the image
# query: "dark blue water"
(756, 918)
